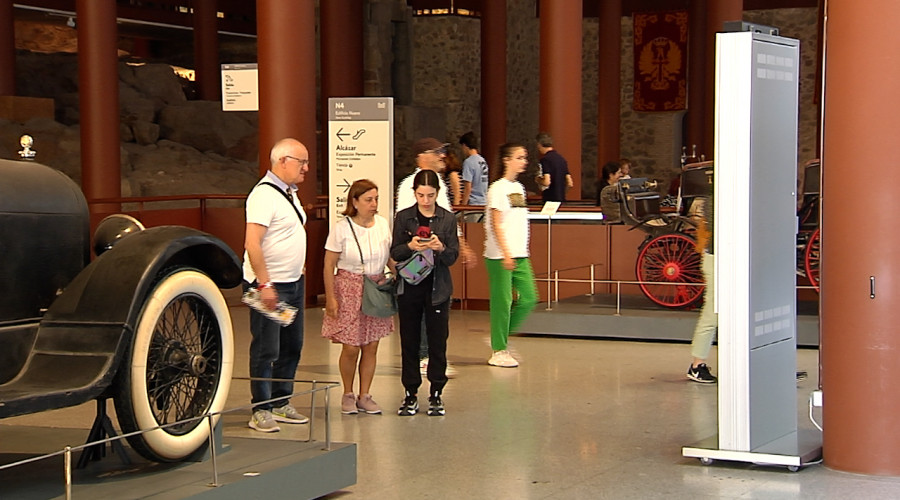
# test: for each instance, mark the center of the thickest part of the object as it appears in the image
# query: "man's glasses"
(302, 163)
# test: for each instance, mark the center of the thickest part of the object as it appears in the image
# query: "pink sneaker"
(348, 404)
(366, 404)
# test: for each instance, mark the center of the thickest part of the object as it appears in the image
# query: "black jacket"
(443, 224)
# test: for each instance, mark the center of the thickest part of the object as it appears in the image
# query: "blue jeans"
(275, 349)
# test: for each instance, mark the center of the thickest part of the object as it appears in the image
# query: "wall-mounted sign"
(240, 87)
(360, 146)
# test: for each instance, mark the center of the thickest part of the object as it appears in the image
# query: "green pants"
(507, 316)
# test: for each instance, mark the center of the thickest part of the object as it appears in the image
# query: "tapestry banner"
(660, 61)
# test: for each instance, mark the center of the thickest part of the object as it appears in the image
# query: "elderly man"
(274, 261)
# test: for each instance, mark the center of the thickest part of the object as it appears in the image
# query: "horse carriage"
(144, 323)
(668, 264)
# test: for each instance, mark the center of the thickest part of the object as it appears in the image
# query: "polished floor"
(580, 418)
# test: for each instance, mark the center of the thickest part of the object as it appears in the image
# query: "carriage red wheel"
(811, 260)
(670, 258)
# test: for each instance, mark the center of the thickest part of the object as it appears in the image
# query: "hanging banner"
(660, 61)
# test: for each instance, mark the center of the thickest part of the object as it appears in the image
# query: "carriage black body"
(144, 323)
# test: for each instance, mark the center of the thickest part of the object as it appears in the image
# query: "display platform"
(638, 319)
(252, 467)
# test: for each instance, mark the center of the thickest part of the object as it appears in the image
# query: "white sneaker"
(503, 359)
(423, 366)
(450, 372)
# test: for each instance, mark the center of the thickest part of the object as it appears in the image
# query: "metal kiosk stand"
(755, 236)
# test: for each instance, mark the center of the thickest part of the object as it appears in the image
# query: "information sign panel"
(360, 146)
(240, 87)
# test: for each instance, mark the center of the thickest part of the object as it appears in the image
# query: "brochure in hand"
(283, 313)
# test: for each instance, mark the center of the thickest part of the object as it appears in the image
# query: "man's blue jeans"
(275, 349)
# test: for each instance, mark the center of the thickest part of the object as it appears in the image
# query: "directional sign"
(240, 87)
(360, 146)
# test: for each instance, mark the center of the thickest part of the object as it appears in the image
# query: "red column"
(493, 80)
(859, 344)
(341, 51)
(717, 13)
(698, 43)
(98, 92)
(7, 49)
(206, 50)
(610, 88)
(560, 101)
(286, 48)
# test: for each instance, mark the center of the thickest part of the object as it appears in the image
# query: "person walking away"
(359, 245)
(506, 254)
(555, 177)
(274, 262)
(474, 172)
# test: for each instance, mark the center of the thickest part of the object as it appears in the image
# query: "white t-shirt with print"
(507, 197)
(374, 241)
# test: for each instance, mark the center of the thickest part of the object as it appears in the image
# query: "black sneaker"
(435, 406)
(701, 374)
(410, 406)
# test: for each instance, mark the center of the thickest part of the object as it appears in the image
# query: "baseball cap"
(427, 144)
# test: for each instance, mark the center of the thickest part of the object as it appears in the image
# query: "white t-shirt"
(374, 241)
(406, 197)
(508, 197)
(284, 244)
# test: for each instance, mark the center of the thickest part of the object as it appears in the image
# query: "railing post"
(592, 279)
(556, 285)
(68, 472)
(618, 298)
(212, 451)
(327, 418)
(312, 409)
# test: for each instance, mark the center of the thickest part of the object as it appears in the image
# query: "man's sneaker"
(435, 406)
(701, 374)
(348, 404)
(263, 422)
(410, 406)
(503, 359)
(366, 404)
(450, 372)
(423, 366)
(288, 415)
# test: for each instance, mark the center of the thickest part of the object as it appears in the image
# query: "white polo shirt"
(284, 243)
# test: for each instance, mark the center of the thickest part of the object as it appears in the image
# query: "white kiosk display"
(757, 78)
(360, 146)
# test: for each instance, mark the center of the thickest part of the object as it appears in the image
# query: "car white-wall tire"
(191, 291)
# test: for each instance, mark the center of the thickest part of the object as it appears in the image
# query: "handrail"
(556, 280)
(67, 451)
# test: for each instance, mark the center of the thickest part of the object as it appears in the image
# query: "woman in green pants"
(506, 253)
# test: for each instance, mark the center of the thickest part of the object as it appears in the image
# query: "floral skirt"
(352, 326)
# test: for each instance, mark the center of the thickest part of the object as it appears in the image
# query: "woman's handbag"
(379, 301)
(416, 268)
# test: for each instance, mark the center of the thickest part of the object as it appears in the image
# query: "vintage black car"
(144, 323)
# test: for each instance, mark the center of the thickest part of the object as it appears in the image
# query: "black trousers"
(411, 306)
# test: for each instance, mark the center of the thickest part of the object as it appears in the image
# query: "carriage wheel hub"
(671, 270)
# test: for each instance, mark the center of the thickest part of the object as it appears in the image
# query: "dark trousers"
(275, 349)
(412, 305)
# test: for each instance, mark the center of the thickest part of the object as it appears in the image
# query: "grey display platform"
(639, 319)
(263, 467)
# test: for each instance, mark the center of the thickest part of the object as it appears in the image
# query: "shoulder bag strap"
(286, 197)
(357, 245)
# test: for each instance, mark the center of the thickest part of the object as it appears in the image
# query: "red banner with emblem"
(660, 61)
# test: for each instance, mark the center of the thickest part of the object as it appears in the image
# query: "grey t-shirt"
(475, 171)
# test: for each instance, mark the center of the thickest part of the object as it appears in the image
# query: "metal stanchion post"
(327, 419)
(68, 472)
(592, 279)
(618, 298)
(212, 452)
(312, 410)
(549, 284)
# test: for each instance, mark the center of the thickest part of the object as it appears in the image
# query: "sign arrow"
(339, 134)
(345, 185)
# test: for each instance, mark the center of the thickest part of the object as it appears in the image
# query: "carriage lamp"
(26, 141)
